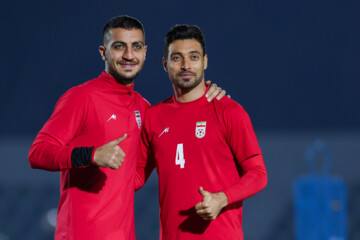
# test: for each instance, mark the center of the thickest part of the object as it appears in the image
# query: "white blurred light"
(51, 217)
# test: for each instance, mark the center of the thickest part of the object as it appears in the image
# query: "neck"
(189, 95)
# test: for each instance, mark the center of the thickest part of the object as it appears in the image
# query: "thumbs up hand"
(211, 205)
(110, 155)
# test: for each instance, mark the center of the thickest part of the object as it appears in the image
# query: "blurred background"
(293, 65)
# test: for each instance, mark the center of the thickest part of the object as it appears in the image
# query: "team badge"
(200, 129)
(138, 118)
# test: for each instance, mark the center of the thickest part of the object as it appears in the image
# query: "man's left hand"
(211, 204)
(214, 91)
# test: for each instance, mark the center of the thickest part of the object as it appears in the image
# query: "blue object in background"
(320, 200)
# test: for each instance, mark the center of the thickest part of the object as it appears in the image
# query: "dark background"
(293, 65)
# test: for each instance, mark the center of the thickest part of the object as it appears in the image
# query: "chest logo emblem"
(138, 118)
(112, 117)
(200, 129)
(166, 130)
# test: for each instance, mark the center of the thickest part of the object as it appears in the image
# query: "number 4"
(179, 159)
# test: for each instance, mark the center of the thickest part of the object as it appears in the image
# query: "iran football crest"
(200, 129)
(138, 118)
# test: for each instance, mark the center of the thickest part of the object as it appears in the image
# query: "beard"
(186, 85)
(122, 78)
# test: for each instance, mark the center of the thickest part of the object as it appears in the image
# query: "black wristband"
(81, 156)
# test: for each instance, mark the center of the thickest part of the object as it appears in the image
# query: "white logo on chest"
(200, 129)
(112, 117)
(166, 130)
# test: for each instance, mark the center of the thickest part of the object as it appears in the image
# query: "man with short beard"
(92, 127)
(206, 154)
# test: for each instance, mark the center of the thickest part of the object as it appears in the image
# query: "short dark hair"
(182, 32)
(125, 22)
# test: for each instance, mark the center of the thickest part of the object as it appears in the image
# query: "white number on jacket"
(179, 159)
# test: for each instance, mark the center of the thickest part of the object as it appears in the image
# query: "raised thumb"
(202, 191)
(120, 139)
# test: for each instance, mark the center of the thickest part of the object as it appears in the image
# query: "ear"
(164, 60)
(145, 50)
(102, 52)
(205, 61)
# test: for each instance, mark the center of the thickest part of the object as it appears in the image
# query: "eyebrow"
(195, 52)
(174, 53)
(121, 42)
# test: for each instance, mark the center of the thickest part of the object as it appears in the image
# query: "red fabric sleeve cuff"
(228, 195)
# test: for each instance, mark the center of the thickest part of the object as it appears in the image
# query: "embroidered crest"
(200, 129)
(138, 118)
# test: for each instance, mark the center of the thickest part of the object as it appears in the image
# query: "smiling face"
(185, 63)
(124, 53)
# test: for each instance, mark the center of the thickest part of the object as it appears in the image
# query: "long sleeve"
(51, 149)
(243, 143)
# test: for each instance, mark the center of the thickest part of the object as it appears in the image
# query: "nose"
(185, 65)
(128, 54)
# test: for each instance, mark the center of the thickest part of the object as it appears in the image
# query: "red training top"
(95, 203)
(195, 144)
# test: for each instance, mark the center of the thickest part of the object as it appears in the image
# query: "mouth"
(128, 65)
(186, 74)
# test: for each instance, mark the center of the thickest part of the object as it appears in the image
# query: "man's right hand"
(110, 155)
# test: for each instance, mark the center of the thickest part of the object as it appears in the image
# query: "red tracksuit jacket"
(95, 203)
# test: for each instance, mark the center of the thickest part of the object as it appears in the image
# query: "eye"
(137, 46)
(195, 57)
(119, 46)
(175, 58)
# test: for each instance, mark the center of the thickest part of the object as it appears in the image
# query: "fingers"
(205, 209)
(221, 94)
(113, 165)
(202, 191)
(198, 206)
(119, 153)
(205, 212)
(207, 83)
(201, 206)
(215, 91)
(117, 158)
(212, 92)
(120, 139)
(110, 155)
